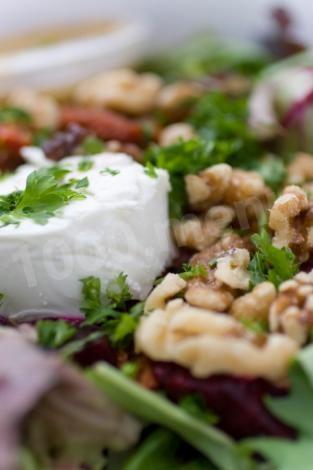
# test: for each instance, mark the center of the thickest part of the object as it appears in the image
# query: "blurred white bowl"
(67, 62)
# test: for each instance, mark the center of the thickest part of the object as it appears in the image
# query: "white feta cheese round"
(121, 226)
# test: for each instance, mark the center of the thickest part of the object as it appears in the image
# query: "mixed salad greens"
(87, 392)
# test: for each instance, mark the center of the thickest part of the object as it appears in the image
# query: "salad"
(156, 264)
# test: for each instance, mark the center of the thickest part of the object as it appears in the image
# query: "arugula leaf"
(163, 450)
(43, 195)
(191, 271)
(271, 263)
(92, 146)
(85, 164)
(54, 333)
(296, 409)
(11, 115)
(108, 310)
(153, 408)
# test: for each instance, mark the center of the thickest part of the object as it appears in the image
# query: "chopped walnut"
(175, 132)
(292, 311)
(221, 184)
(123, 90)
(171, 285)
(201, 232)
(130, 149)
(210, 294)
(256, 304)
(283, 215)
(300, 169)
(232, 269)
(211, 343)
(43, 108)
(228, 242)
(177, 94)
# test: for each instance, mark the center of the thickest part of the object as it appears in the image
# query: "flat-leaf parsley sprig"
(45, 193)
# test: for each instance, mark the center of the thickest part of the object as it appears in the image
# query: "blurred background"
(149, 26)
(169, 21)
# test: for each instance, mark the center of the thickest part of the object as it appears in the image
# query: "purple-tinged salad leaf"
(52, 410)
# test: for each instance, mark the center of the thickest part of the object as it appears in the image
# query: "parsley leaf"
(270, 263)
(273, 171)
(85, 165)
(82, 183)
(10, 115)
(92, 146)
(180, 159)
(195, 405)
(54, 333)
(150, 170)
(109, 171)
(43, 195)
(108, 310)
(190, 271)
(222, 120)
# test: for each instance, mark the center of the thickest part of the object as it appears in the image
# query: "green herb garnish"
(108, 310)
(270, 263)
(92, 146)
(85, 165)
(11, 115)
(150, 170)
(109, 171)
(53, 334)
(44, 194)
(191, 271)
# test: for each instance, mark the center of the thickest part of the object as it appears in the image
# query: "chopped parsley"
(53, 334)
(191, 271)
(109, 171)
(85, 164)
(92, 146)
(109, 310)
(44, 194)
(270, 263)
(82, 183)
(12, 115)
(180, 159)
(196, 407)
(150, 170)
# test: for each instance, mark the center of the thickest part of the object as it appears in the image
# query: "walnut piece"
(245, 191)
(300, 169)
(256, 304)
(286, 208)
(212, 295)
(228, 242)
(201, 232)
(175, 132)
(177, 94)
(43, 108)
(171, 285)
(292, 311)
(232, 269)
(211, 343)
(122, 89)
